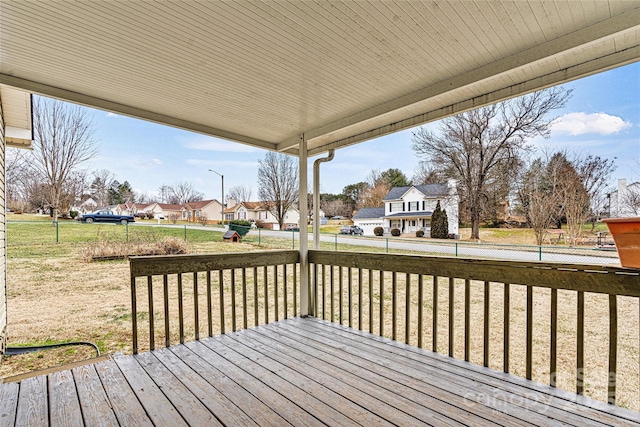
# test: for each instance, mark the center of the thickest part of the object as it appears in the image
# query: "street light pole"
(221, 201)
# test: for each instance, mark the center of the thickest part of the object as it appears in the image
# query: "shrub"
(151, 215)
(173, 218)
(395, 232)
(242, 226)
(420, 233)
(202, 219)
(73, 214)
(378, 231)
(260, 224)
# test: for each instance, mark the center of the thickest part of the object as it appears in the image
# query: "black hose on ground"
(12, 351)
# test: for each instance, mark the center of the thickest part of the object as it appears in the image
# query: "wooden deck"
(295, 372)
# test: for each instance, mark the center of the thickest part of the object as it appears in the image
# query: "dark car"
(105, 216)
(292, 228)
(352, 229)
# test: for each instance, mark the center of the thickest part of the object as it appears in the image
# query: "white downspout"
(316, 197)
(303, 208)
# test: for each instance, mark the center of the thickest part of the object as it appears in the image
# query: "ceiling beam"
(605, 63)
(91, 101)
(593, 33)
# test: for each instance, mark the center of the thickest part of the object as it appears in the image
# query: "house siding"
(3, 242)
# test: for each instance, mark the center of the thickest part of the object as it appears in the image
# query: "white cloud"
(112, 115)
(211, 144)
(583, 123)
(151, 162)
(223, 163)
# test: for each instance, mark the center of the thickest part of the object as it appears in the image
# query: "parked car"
(105, 216)
(292, 228)
(337, 217)
(351, 229)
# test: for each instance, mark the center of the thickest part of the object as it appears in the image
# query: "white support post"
(304, 228)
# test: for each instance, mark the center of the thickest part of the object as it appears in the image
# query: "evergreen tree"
(444, 224)
(439, 223)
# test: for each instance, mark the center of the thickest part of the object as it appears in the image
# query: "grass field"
(54, 297)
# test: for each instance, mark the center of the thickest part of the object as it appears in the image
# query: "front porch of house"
(294, 372)
(389, 340)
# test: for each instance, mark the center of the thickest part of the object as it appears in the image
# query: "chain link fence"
(48, 232)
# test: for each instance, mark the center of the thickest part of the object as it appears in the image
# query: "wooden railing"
(193, 293)
(493, 322)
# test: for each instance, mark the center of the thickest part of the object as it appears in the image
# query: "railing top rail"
(588, 278)
(175, 264)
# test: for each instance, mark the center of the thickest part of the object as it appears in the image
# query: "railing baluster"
(407, 314)
(152, 332)
(553, 353)
(451, 315)
(613, 348)
(349, 298)
(434, 339)
(529, 348)
(233, 300)
(360, 298)
(420, 304)
(370, 301)
(255, 297)
(221, 286)
(196, 312)
(245, 323)
(381, 326)
(324, 290)
(134, 315)
(487, 315)
(275, 292)
(507, 324)
(209, 308)
(180, 309)
(580, 345)
(295, 290)
(165, 286)
(467, 319)
(266, 294)
(331, 295)
(394, 306)
(340, 290)
(284, 292)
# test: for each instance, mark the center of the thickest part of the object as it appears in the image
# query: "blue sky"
(602, 118)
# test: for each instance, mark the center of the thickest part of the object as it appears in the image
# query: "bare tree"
(100, 184)
(183, 192)
(63, 140)
(240, 193)
(629, 201)
(479, 147)
(278, 184)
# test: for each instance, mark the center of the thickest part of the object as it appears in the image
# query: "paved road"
(463, 249)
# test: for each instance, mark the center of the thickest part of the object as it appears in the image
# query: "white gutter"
(316, 197)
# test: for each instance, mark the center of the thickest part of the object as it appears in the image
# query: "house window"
(263, 215)
(413, 206)
(395, 207)
(396, 223)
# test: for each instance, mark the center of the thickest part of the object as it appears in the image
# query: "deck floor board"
(296, 372)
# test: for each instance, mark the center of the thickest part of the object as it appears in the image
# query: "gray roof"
(429, 190)
(369, 213)
(416, 214)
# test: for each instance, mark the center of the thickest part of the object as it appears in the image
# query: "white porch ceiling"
(339, 72)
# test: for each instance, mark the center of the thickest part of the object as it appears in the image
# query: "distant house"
(88, 205)
(257, 211)
(211, 209)
(625, 201)
(165, 209)
(409, 209)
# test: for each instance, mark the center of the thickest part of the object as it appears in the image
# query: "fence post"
(57, 233)
(456, 249)
(185, 232)
(127, 228)
(259, 236)
(336, 242)
(539, 253)
(387, 239)
(293, 240)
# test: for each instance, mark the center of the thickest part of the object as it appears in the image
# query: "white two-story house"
(409, 209)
